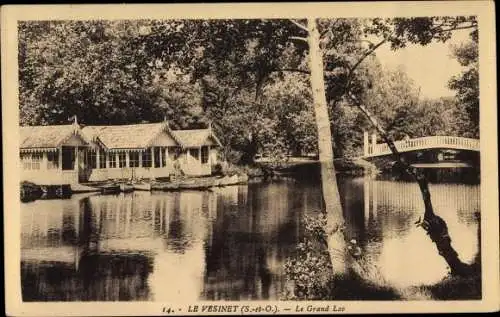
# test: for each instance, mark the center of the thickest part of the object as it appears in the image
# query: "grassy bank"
(457, 287)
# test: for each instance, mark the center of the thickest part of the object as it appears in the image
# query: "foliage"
(248, 77)
(418, 30)
(467, 84)
(97, 70)
(310, 269)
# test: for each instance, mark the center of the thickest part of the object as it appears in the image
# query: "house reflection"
(61, 258)
(126, 247)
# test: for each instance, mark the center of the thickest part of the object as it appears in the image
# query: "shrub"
(217, 170)
(309, 270)
(310, 275)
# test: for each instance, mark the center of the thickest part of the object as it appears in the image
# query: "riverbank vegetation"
(309, 271)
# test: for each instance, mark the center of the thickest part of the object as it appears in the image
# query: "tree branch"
(303, 27)
(367, 41)
(457, 28)
(302, 39)
(353, 68)
(292, 70)
(366, 54)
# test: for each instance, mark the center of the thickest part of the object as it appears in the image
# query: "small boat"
(110, 189)
(142, 186)
(229, 180)
(126, 188)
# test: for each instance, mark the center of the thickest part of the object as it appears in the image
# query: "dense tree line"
(248, 77)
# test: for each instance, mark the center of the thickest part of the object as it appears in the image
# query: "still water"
(229, 243)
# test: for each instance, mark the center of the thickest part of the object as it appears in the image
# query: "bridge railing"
(450, 142)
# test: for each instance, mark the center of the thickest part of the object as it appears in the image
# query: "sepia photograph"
(250, 159)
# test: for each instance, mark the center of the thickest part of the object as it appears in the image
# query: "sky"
(430, 66)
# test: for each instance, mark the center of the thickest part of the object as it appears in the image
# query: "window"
(164, 156)
(102, 159)
(204, 155)
(194, 153)
(92, 159)
(36, 158)
(53, 160)
(157, 151)
(122, 160)
(146, 158)
(68, 158)
(112, 160)
(173, 153)
(134, 159)
(26, 161)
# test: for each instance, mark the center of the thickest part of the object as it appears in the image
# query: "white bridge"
(375, 149)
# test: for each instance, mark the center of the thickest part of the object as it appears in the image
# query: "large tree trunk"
(333, 208)
(434, 225)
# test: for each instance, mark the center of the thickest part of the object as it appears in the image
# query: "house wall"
(103, 174)
(50, 177)
(187, 163)
(192, 166)
(44, 175)
(108, 173)
(214, 153)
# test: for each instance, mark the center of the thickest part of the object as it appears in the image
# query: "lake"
(229, 243)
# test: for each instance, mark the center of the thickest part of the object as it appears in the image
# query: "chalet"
(68, 154)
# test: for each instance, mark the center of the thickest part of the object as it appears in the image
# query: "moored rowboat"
(142, 186)
(110, 189)
(126, 188)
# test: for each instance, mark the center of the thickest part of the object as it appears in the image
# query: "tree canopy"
(247, 77)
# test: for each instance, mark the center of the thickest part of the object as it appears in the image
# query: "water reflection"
(229, 243)
(224, 244)
(403, 252)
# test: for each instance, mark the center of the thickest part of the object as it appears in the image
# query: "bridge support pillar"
(365, 143)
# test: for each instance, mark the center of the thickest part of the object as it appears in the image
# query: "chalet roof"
(195, 138)
(130, 136)
(50, 136)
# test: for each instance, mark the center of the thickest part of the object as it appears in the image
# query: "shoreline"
(232, 175)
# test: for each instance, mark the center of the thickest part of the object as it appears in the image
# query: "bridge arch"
(445, 148)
